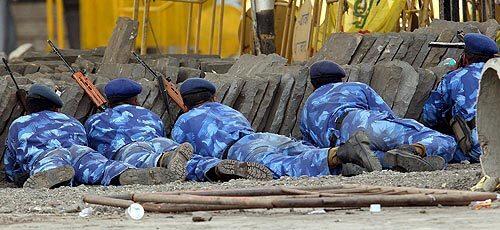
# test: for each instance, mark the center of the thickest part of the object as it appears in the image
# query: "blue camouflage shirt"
(211, 128)
(116, 127)
(456, 93)
(329, 102)
(31, 135)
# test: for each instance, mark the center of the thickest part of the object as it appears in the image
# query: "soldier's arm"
(436, 106)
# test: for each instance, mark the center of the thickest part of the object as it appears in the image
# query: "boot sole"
(177, 164)
(437, 162)
(147, 176)
(408, 162)
(369, 161)
(50, 178)
(245, 170)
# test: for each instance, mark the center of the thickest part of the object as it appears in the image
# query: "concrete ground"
(59, 208)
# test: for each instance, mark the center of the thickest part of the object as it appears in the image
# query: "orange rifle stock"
(83, 81)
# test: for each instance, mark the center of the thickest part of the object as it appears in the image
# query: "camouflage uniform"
(338, 110)
(46, 140)
(456, 95)
(219, 132)
(130, 134)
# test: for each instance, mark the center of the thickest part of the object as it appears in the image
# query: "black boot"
(146, 176)
(176, 160)
(52, 178)
(357, 151)
(230, 169)
(404, 160)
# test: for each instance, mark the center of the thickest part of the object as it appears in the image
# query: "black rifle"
(21, 94)
(167, 88)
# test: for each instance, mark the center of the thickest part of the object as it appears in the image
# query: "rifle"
(457, 45)
(166, 86)
(83, 81)
(21, 94)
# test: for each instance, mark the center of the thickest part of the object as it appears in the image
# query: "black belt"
(338, 126)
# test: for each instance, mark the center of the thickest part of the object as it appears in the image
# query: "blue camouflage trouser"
(387, 133)
(90, 166)
(142, 154)
(282, 155)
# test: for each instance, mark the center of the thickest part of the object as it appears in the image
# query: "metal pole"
(198, 29)
(50, 19)
(212, 27)
(145, 27)
(188, 34)
(221, 23)
(243, 25)
(60, 23)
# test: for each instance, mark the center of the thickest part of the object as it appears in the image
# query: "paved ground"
(58, 208)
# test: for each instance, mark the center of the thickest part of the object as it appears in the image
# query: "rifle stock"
(83, 81)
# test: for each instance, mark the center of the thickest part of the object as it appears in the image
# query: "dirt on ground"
(59, 208)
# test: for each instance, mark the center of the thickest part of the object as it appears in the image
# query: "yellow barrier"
(168, 25)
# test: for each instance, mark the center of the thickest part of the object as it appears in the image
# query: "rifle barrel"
(58, 53)
(6, 65)
(139, 59)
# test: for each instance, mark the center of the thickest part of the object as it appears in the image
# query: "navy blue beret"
(122, 88)
(196, 85)
(44, 92)
(480, 44)
(326, 69)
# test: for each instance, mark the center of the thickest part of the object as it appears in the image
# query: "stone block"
(339, 48)
(426, 80)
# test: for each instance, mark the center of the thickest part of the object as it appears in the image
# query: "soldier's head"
(325, 72)
(478, 48)
(196, 91)
(42, 98)
(122, 91)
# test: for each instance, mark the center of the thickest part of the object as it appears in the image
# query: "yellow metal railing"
(60, 32)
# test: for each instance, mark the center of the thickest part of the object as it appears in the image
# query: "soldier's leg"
(50, 169)
(386, 136)
(93, 168)
(160, 152)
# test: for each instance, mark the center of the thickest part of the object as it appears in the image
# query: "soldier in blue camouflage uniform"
(227, 147)
(336, 110)
(46, 148)
(451, 107)
(132, 134)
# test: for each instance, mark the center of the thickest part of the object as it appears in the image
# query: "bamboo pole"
(221, 23)
(243, 25)
(291, 29)
(198, 30)
(135, 14)
(145, 23)
(256, 40)
(327, 21)
(285, 28)
(317, 25)
(212, 27)
(340, 15)
(189, 25)
(60, 24)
